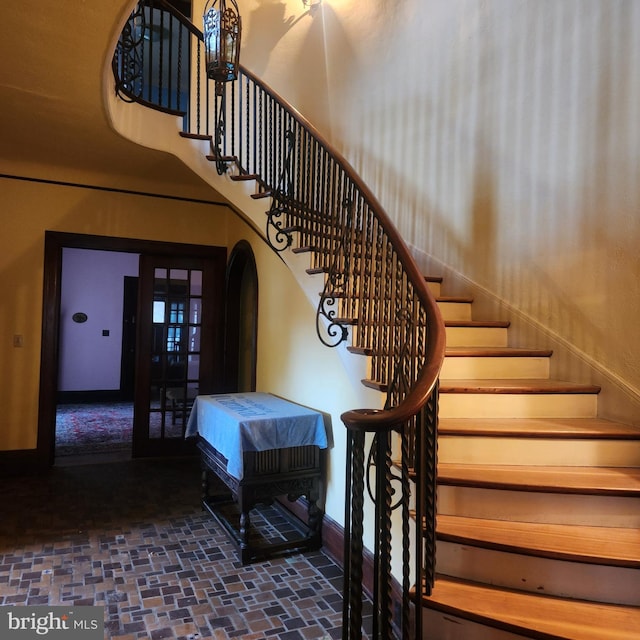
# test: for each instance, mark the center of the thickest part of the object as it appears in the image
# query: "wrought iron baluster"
(353, 592)
(405, 445)
(382, 591)
(247, 138)
(260, 110)
(179, 74)
(152, 37)
(150, 57)
(199, 89)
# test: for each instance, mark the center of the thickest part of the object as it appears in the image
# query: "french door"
(179, 347)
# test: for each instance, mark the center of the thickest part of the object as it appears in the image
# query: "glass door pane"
(180, 351)
(175, 356)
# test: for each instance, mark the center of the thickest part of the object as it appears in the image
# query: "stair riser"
(531, 506)
(491, 367)
(544, 576)
(455, 310)
(435, 288)
(476, 336)
(444, 626)
(538, 451)
(514, 405)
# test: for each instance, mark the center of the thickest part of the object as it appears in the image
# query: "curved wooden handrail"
(374, 420)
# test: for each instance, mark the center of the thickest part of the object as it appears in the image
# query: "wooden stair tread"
(533, 386)
(474, 352)
(195, 136)
(575, 428)
(457, 299)
(315, 270)
(244, 177)
(361, 351)
(261, 194)
(216, 158)
(496, 352)
(534, 615)
(618, 481)
(480, 324)
(609, 546)
(515, 385)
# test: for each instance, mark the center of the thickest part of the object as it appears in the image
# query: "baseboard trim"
(21, 462)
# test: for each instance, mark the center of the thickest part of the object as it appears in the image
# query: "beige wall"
(286, 316)
(503, 138)
(30, 208)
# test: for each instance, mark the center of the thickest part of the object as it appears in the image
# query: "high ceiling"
(55, 57)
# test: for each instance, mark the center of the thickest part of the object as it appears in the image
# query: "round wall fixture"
(79, 317)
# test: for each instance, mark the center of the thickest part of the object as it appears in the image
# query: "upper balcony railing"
(374, 295)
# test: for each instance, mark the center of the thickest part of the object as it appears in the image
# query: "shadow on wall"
(266, 27)
(290, 53)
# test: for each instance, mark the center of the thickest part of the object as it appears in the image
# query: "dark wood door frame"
(54, 243)
(129, 317)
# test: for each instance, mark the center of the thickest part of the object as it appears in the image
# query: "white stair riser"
(455, 310)
(445, 626)
(532, 506)
(463, 367)
(515, 405)
(544, 576)
(538, 451)
(476, 336)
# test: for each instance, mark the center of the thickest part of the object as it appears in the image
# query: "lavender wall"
(92, 283)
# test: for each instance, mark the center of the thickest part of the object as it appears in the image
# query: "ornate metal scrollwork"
(372, 463)
(335, 331)
(130, 57)
(335, 286)
(279, 237)
(222, 165)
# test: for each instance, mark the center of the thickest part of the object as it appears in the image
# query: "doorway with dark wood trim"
(55, 242)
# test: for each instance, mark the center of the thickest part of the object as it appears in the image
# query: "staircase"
(261, 154)
(538, 531)
(538, 500)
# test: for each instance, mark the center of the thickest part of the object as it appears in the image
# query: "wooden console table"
(261, 447)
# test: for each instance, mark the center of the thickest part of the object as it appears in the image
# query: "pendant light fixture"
(222, 30)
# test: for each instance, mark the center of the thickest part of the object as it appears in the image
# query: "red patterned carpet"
(93, 428)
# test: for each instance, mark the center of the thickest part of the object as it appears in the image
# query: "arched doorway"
(242, 319)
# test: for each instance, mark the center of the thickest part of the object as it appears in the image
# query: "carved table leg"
(245, 525)
(314, 514)
(204, 486)
(244, 504)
